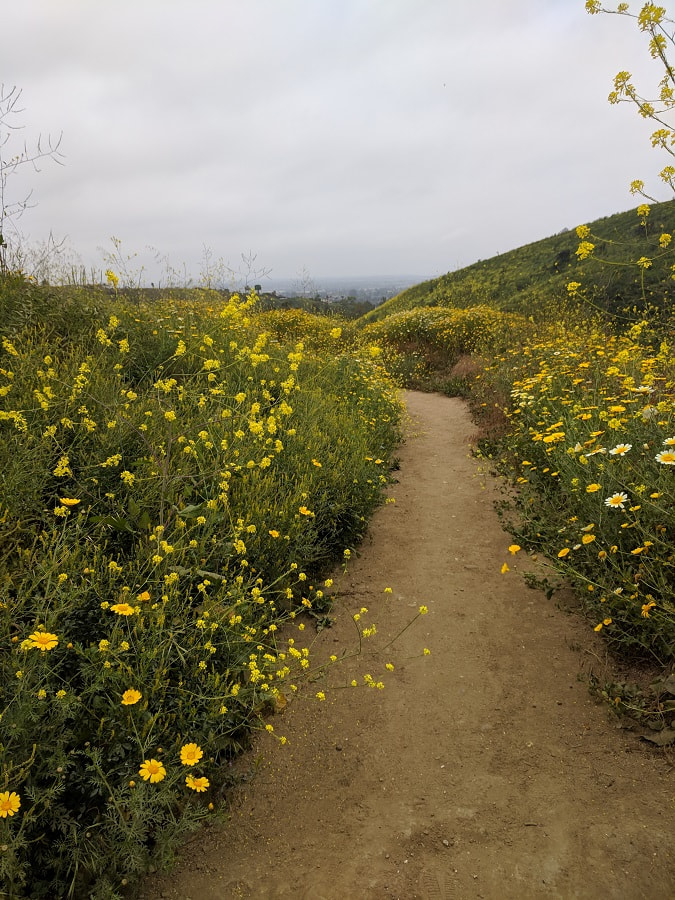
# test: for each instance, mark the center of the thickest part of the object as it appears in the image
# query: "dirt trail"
(484, 770)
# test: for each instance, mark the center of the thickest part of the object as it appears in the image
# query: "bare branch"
(45, 148)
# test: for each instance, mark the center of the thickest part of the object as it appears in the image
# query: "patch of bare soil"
(484, 770)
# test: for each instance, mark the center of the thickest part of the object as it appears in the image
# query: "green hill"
(533, 279)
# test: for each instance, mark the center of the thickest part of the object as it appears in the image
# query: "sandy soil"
(484, 770)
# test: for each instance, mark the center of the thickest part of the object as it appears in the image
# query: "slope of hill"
(533, 279)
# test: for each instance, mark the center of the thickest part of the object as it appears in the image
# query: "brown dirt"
(484, 770)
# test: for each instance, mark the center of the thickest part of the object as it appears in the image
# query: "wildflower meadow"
(590, 445)
(179, 478)
(177, 482)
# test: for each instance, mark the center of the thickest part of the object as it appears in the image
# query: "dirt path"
(484, 770)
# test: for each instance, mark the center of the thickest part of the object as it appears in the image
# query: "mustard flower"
(9, 347)
(62, 468)
(585, 249)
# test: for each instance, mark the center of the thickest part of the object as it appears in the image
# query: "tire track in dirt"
(484, 770)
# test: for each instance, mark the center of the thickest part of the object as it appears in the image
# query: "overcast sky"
(342, 137)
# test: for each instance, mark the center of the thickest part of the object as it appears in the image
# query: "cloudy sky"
(338, 137)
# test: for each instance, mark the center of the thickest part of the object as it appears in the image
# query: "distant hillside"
(534, 278)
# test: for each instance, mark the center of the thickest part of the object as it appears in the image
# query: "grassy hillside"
(532, 279)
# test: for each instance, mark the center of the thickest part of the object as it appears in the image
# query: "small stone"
(446, 842)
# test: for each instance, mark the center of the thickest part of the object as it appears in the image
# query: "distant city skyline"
(388, 136)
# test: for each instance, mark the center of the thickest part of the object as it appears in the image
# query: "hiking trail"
(482, 770)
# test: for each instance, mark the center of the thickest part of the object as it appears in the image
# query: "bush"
(422, 345)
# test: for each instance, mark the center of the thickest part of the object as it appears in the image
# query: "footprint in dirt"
(434, 886)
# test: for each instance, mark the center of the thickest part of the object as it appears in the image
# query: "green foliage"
(59, 313)
(345, 308)
(423, 345)
(175, 479)
(591, 448)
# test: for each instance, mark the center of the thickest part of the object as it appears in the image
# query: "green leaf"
(191, 512)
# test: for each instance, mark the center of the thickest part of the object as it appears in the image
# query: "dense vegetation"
(179, 472)
(177, 479)
(179, 475)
